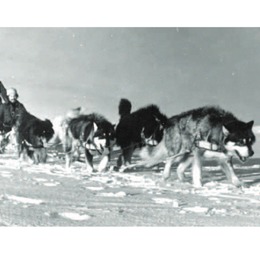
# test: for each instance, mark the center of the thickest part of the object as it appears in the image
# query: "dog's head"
(239, 139)
(104, 137)
(153, 128)
(40, 133)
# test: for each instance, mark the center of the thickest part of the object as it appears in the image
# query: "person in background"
(13, 105)
(3, 96)
(10, 109)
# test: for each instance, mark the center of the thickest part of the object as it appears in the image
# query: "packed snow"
(48, 195)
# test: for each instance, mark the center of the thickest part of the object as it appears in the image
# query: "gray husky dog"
(209, 132)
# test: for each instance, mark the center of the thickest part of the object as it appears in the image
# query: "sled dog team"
(186, 138)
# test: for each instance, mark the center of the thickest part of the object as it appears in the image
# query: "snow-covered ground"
(47, 195)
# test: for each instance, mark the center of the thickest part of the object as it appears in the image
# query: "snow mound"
(111, 194)
(24, 199)
(74, 216)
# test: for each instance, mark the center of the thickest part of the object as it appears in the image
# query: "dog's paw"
(240, 184)
(90, 170)
(197, 184)
(122, 168)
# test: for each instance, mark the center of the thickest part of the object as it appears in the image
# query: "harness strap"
(27, 143)
(30, 145)
(207, 145)
(88, 146)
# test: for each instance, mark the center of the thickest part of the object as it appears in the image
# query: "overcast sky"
(55, 69)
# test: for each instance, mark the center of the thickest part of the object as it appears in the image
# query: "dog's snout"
(251, 153)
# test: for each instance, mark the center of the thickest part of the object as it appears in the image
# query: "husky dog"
(60, 125)
(32, 135)
(139, 128)
(209, 132)
(92, 132)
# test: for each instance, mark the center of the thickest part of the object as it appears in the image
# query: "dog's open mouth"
(241, 158)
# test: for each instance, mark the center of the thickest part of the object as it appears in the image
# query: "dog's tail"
(124, 107)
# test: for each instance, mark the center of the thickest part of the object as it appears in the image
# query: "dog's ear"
(250, 124)
(95, 127)
(225, 130)
(48, 122)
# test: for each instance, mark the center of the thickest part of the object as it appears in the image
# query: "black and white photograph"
(130, 126)
(121, 130)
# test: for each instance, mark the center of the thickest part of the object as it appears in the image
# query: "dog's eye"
(241, 142)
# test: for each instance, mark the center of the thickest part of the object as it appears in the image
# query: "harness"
(202, 144)
(207, 145)
(30, 146)
(90, 144)
(92, 147)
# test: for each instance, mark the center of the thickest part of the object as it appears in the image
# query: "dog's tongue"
(242, 158)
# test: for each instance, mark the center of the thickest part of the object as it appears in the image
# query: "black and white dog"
(92, 132)
(206, 132)
(32, 135)
(139, 128)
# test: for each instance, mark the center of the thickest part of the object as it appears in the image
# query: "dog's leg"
(228, 169)
(167, 169)
(119, 161)
(89, 161)
(35, 156)
(44, 155)
(20, 155)
(196, 169)
(185, 162)
(103, 164)
(68, 148)
(68, 159)
(2, 143)
(104, 161)
(19, 151)
(40, 155)
(77, 153)
(127, 154)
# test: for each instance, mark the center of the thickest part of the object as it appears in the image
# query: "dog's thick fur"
(32, 134)
(212, 125)
(60, 125)
(92, 132)
(144, 126)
